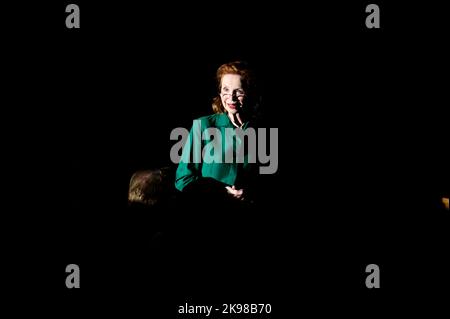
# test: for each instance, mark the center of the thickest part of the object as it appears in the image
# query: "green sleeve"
(188, 171)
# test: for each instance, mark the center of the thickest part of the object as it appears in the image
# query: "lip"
(232, 106)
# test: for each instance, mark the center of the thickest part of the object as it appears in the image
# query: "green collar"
(224, 121)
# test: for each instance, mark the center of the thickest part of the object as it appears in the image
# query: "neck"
(236, 119)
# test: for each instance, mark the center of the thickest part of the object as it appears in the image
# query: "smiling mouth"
(233, 106)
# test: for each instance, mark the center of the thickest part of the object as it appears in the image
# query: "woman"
(234, 112)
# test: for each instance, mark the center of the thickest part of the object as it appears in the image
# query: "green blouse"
(194, 166)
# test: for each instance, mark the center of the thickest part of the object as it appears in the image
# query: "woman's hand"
(236, 193)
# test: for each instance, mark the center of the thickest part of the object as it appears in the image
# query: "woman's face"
(231, 93)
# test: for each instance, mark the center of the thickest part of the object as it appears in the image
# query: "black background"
(362, 132)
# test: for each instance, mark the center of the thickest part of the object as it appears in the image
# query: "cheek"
(223, 100)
